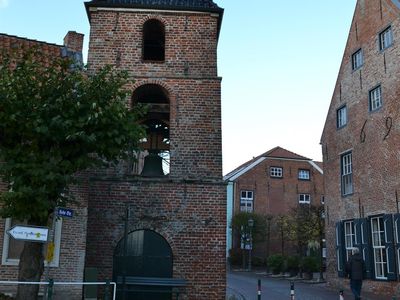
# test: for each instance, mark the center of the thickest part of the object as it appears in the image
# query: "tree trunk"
(30, 269)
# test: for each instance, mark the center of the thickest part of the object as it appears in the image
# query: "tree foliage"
(260, 227)
(54, 122)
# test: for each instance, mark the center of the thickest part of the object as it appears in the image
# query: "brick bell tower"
(164, 215)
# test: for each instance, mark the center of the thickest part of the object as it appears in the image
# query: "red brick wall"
(13, 43)
(374, 147)
(188, 207)
(190, 39)
(188, 215)
(278, 196)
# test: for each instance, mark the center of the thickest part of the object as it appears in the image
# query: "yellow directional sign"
(50, 252)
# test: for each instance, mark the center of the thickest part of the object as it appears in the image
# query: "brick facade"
(372, 138)
(276, 195)
(188, 206)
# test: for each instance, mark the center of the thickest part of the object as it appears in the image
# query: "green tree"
(286, 229)
(310, 229)
(260, 227)
(56, 121)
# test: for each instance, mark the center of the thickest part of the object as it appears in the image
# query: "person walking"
(355, 269)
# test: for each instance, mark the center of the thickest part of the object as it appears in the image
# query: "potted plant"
(275, 263)
(309, 265)
(292, 265)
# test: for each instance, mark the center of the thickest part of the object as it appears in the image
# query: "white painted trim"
(316, 166)
(245, 169)
(14, 262)
(284, 158)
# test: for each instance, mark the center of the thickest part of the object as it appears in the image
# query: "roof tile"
(199, 4)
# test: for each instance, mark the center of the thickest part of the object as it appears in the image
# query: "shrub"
(309, 264)
(292, 263)
(235, 256)
(275, 263)
(257, 261)
(4, 297)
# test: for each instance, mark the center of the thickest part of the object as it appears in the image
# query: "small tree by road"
(55, 121)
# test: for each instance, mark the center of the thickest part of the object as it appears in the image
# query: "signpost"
(29, 233)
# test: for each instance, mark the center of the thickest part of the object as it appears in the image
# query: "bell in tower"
(155, 100)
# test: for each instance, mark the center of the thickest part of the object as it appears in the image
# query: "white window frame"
(15, 262)
(247, 202)
(304, 198)
(341, 116)
(350, 237)
(357, 59)
(375, 98)
(276, 172)
(304, 174)
(346, 165)
(378, 248)
(339, 266)
(385, 38)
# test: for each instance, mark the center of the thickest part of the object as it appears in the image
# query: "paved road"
(245, 284)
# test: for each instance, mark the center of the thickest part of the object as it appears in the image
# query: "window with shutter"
(390, 247)
(340, 250)
(363, 242)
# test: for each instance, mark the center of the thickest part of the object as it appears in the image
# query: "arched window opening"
(154, 161)
(153, 41)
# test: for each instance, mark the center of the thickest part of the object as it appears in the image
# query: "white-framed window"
(304, 174)
(12, 248)
(341, 116)
(386, 38)
(375, 98)
(378, 247)
(357, 59)
(304, 198)
(276, 172)
(347, 173)
(246, 201)
(349, 238)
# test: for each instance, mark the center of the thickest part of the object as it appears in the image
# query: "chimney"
(73, 41)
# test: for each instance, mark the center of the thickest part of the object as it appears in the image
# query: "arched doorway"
(148, 254)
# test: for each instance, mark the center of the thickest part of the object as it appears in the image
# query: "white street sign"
(32, 234)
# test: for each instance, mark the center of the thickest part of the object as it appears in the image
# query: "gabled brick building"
(274, 183)
(360, 144)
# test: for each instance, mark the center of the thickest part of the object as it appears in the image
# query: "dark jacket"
(355, 267)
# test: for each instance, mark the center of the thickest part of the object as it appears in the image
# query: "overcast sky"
(279, 62)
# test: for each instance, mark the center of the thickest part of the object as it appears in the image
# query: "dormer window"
(153, 41)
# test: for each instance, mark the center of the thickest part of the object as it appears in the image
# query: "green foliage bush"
(309, 264)
(235, 256)
(292, 263)
(276, 263)
(258, 261)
